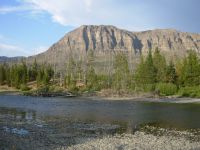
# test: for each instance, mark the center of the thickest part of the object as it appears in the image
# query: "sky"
(28, 27)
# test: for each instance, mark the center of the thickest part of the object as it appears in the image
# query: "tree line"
(19, 75)
(152, 74)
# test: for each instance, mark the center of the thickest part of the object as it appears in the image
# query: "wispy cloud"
(8, 47)
(79, 12)
(12, 50)
(129, 14)
(22, 7)
(65, 12)
(10, 9)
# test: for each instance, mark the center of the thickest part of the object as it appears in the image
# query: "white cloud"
(19, 8)
(65, 12)
(79, 12)
(12, 50)
(7, 48)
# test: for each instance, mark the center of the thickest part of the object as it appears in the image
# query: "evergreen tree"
(91, 77)
(2, 74)
(48, 74)
(40, 74)
(180, 67)
(160, 65)
(70, 78)
(145, 75)
(32, 72)
(23, 73)
(149, 70)
(171, 75)
(121, 72)
(12, 76)
(44, 75)
(8, 76)
(191, 70)
(140, 72)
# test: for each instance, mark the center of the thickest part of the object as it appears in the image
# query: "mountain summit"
(103, 39)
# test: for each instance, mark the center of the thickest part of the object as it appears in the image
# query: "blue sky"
(28, 27)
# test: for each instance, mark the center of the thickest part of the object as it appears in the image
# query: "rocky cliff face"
(169, 41)
(109, 39)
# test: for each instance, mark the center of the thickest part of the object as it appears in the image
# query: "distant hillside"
(10, 59)
(104, 40)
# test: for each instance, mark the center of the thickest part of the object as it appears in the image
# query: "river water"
(46, 123)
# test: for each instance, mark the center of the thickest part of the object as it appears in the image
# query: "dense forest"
(152, 74)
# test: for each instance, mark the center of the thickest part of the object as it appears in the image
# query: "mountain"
(10, 59)
(104, 40)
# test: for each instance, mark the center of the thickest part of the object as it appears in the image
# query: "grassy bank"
(160, 90)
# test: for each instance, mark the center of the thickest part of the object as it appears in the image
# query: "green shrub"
(148, 87)
(43, 89)
(166, 88)
(193, 91)
(24, 87)
(144, 88)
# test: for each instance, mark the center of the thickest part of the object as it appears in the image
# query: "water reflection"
(18, 114)
(128, 114)
(21, 132)
(66, 121)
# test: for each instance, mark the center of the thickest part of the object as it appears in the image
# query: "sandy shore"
(138, 141)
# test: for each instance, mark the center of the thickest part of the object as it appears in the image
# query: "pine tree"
(140, 72)
(145, 75)
(121, 72)
(191, 70)
(40, 74)
(32, 72)
(2, 74)
(23, 73)
(44, 75)
(160, 65)
(149, 70)
(7, 75)
(70, 78)
(171, 76)
(91, 77)
(48, 74)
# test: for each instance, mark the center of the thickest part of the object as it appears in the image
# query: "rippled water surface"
(66, 121)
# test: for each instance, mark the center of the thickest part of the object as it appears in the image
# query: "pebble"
(137, 141)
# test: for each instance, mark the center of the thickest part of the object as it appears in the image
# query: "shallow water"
(101, 111)
(69, 119)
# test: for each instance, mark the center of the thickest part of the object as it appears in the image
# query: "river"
(46, 123)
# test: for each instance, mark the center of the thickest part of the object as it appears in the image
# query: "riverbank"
(140, 97)
(179, 100)
(102, 95)
(5, 88)
(138, 141)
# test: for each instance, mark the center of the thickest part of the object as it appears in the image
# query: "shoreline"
(177, 100)
(161, 99)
